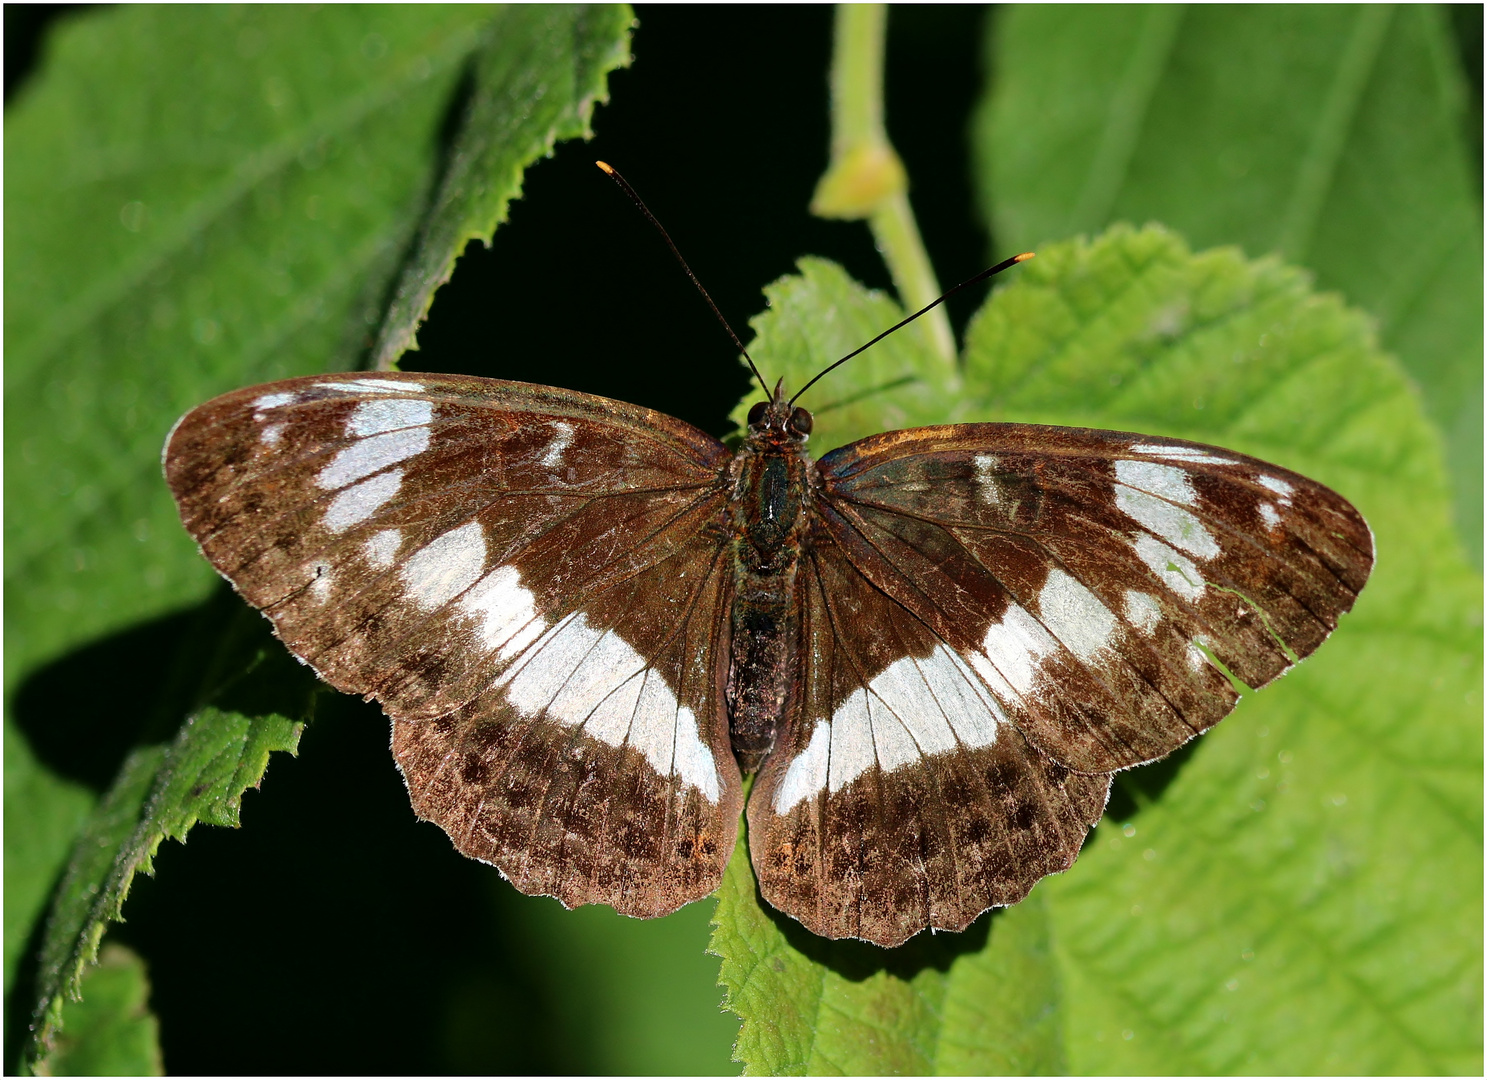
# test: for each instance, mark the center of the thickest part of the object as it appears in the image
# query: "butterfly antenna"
(628, 190)
(982, 276)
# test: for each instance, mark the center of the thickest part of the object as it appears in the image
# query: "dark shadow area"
(84, 711)
(859, 960)
(25, 26)
(333, 933)
(361, 353)
(326, 935)
(722, 126)
(1136, 787)
(1466, 21)
(934, 77)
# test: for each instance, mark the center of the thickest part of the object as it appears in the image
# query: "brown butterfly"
(588, 621)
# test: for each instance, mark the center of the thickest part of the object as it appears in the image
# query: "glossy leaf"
(1331, 134)
(1320, 850)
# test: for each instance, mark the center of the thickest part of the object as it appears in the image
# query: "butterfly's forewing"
(514, 572)
(1091, 577)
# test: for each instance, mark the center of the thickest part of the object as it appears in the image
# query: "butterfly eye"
(800, 422)
(756, 414)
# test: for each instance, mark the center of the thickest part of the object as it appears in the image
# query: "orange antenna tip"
(605, 166)
(1024, 257)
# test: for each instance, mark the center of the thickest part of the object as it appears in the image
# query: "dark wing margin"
(1106, 586)
(526, 579)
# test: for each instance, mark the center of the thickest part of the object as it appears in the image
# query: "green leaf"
(163, 790)
(111, 1031)
(536, 82)
(45, 813)
(983, 1002)
(197, 198)
(1330, 134)
(1319, 852)
(897, 383)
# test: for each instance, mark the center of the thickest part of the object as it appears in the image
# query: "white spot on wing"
(1014, 650)
(986, 479)
(1142, 611)
(552, 456)
(973, 713)
(320, 585)
(902, 691)
(604, 665)
(551, 660)
(611, 720)
(445, 567)
(272, 434)
(1279, 486)
(372, 455)
(916, 706)
(388, 414)
(694, 758)
(1172, 523)
(507, 612)
(382, 547)
(1168, 481)
(891, 740)
(1269, 515)
(371, 386)
(274, 401)
(360, 501)
(580, 676)
(852, 751)
(1075, 615)
(1176, 571)
(1181, 453)
(807, 773)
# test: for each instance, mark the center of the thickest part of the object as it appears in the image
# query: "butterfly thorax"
(772, 476)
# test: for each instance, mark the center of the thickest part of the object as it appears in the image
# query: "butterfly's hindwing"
(900, 796)
(447, 545)
(597, 768)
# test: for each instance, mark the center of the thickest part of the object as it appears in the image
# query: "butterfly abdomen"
(771, 489)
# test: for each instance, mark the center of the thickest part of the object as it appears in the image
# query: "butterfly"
(590, 621)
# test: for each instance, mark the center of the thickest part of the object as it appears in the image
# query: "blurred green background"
(332, 933)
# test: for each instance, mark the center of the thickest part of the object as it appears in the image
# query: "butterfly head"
(779, 418)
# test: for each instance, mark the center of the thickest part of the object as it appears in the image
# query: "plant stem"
(866, 179)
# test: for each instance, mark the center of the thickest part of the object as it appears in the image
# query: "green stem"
(866, 179)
